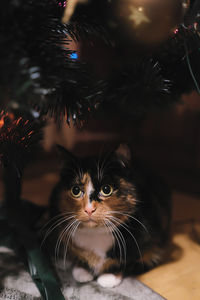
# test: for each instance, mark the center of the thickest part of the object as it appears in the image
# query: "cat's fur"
(108, 236)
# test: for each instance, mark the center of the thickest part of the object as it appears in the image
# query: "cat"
(113, 216)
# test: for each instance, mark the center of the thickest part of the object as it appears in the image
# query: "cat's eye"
(76, 191)
(106, 190)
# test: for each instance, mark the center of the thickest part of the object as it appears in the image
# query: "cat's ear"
(123, 153)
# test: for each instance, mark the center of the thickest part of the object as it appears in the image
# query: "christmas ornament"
(147, 21)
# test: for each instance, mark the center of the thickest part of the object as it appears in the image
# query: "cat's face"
(97, 191)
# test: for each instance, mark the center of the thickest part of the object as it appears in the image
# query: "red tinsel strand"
(18, 138)
(14, 131)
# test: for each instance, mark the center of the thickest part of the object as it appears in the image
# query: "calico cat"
(113, 216)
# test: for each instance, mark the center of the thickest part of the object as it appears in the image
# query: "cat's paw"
(81, 275)
(109, 280)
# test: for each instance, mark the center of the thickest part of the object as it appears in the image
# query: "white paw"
(109, 280)
(81, 275)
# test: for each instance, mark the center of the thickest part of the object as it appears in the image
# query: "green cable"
(38, 265)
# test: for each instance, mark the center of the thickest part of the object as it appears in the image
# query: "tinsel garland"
(18, 139)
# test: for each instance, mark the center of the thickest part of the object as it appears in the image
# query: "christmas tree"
(154, 51)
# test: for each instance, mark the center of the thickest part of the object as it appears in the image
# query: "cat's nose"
(90, 210)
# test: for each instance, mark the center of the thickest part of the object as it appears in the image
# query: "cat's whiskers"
(110, 224)
(125, 227)
(60, 238)
(56, 224)
(103, 165)
(56, 217)
(112, 231)
(78, 170)
(70, 235)
(109, 231)
(101, 169)
(98, 168)
(129, 216)
(98, 161)
(119, 238)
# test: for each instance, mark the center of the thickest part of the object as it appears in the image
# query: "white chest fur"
(97, 240)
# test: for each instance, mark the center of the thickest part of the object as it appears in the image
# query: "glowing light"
(18, 120)
(1, 123)
(74, 55)
(138, 16)
(62, 4)
(30, 132)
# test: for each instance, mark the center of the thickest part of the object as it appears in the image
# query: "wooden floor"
(179, 277)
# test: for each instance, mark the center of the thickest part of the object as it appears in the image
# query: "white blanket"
(16, 284)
